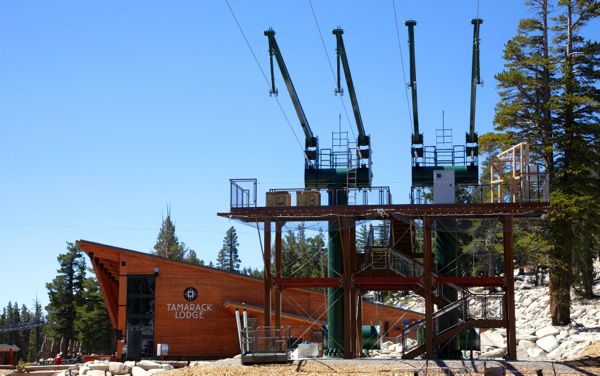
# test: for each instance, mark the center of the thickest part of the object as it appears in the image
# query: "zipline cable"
(265, 76)
(410, 116)
(330, 66)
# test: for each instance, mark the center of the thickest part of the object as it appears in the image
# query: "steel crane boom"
(475, 80)
(311, 142)
(342, 57)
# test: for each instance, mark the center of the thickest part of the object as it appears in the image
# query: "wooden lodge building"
(191, 308)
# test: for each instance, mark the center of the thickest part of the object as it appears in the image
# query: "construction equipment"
(463, 159)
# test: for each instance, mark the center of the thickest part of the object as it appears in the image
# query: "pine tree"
(35, 337)
(576, 187)
(526, 87)
(549, 98)
(228, 258)
(93, 326)
(193, 258)
(65, 293)
(362, 236)
(167, 245)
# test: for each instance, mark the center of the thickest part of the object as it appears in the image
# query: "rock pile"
(537, 339)
(129, 368)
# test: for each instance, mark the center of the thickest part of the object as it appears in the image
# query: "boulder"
(547, 343)
(176, 363)
(200, 363)
(167, 367)
(528, 337)
(83, 370)
(138, 371)
(496, 353)
(148, 364)
(535, 352)
(129, 363)
(526, 344)
(546, 331)
(117, 368)
(492, 338)
(97, 372)
(154, 371)
(99, 366)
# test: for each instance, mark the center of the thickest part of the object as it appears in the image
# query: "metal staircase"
(468, 311)
(472, 310)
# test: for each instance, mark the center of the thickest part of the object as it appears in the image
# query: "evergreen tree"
(65, 293)
(167, 245)
(35, 337)
(576, 186)
(303, 256)
(193, 258)
(228, 258)
(549, 98)
(526, 86)
(362, 236)
(93, 326)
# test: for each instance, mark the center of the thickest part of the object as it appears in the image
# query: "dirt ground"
(392, 368)
(593, 350)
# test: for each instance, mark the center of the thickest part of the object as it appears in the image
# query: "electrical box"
(279, 199)
(308, 198)
(444, 189)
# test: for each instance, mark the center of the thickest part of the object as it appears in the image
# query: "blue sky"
(110, 111)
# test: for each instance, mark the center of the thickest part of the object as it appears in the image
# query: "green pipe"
(335, 296)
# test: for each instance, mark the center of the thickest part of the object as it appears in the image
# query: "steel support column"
(277, 305)
(267, 273)
(427, 283)
(347, 287)
(511, 340)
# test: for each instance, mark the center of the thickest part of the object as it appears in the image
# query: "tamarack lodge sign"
(189, 310)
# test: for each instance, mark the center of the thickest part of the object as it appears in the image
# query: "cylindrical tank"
(371, 337)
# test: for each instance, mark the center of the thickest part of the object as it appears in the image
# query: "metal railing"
(469, 307)
(363, 196)
(265, 340)
(242, 193)
(535, 190)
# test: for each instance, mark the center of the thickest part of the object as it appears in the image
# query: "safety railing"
(469, 307)
(265, 340)
(242, 193)
(535, 189)
(363, 196)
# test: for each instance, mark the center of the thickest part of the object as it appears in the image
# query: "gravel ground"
(4, 372)
(321, 367)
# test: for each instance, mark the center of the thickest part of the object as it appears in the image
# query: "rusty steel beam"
(308, 282)
(278, 226)
(511, 330)
(367, 283)
(267, 273)
(428, 286)
(470, 281)
(362, 212)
